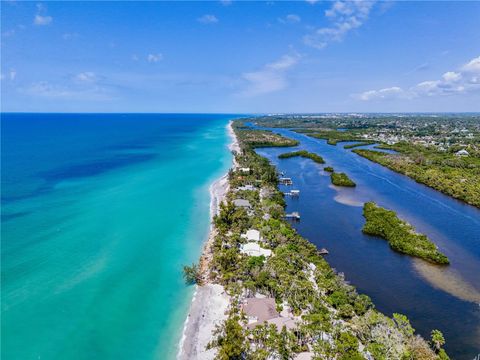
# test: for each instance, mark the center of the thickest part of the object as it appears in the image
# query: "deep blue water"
(331, 217)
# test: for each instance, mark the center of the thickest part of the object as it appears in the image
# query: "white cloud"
(207, 19)
(387, 93)
(270, 78)
(11, 75)
(345, 16)
(451, 76)
(473, 66)
(41, 18)
(290, 19)
(86, 77)
(452, 82)
(154, 58)
(44, 89)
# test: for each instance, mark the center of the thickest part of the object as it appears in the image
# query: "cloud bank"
(465, 80)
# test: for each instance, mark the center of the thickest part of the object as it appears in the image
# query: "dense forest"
(341, 179)
(303, 153)
(456, 176)
(400, 235)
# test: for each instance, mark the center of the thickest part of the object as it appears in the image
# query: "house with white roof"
(462, 152)
(252, 235)
(253, 249)
(242, 203)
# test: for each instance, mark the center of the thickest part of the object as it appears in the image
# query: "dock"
(294, 216)
(323, 251)
(285, 181)
(292, 193)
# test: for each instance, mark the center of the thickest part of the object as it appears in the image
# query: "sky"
(240, 56)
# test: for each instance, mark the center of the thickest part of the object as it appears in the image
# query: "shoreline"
(209, 302)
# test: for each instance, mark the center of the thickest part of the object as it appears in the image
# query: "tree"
(403, 324)
(191, 274)
(230, 340)
(437, 340)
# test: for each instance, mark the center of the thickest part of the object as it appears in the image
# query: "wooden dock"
(285, 181)
(294, 216)
(293, 193)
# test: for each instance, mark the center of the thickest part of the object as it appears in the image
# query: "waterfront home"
(259, 310)
(462, 152)
(242, 203)
(280, 322)
(253, 249)
(252, 235)
(246, 188)
(244, 169)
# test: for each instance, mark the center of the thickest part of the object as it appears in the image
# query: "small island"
(303, 153)
(400, 235)
(328, 169)
(341, 179)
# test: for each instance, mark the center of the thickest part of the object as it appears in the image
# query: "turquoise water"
(99, 214)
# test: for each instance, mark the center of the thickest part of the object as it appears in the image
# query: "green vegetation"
(262, 138)
(191, 274)
(332, 136)
(400, 235)
(456, 176)
(328, 169)
(361, 143)
(303, 153)
(333, 320)
(341, 179)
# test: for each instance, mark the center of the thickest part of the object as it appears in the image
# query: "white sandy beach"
(210, 302)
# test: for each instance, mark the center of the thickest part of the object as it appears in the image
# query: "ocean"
(99, 214)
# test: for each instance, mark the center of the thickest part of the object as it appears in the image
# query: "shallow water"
(433, 297)
(99, 214)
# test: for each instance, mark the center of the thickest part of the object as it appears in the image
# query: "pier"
(293, 193)
(285, 181)
(294, 216)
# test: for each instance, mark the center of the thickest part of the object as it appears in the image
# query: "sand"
(210, 302)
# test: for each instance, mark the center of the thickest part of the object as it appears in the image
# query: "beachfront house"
(242, 203)
(252, 235)
(253, 249)
(462, 152)
(246, 188)
(259, 310)
(244, 169)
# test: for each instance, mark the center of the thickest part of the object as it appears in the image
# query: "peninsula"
(282, 297)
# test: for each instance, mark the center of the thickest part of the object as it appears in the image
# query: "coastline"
(210, 301)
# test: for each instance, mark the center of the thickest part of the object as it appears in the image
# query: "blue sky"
(240, 57)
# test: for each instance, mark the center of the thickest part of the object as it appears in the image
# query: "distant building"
(244, 169)
(462, 152)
